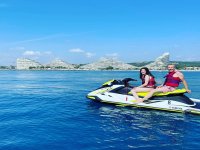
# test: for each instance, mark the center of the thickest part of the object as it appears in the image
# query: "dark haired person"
(173, 78)
(148, 83)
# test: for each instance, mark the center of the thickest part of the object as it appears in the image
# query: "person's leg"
(144, 89)
(150, 94)
(137, 89)
(134, 92)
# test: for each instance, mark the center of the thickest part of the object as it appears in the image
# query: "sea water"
(49, 110)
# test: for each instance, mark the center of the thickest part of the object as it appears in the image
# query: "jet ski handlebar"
(127, 80)
(124, 82)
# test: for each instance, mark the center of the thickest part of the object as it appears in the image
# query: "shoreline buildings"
(102, 64)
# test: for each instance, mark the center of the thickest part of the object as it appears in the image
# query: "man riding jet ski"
(119, 92)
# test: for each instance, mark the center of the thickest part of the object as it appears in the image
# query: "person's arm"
(147, 78)
(161, 85)
(181, 76)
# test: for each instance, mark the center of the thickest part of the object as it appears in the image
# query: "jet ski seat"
(175, 92)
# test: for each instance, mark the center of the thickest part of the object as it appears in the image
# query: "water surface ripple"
(48, 110)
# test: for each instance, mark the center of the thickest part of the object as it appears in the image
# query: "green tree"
(109, 68)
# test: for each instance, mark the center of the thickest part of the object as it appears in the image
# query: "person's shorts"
(167, 89)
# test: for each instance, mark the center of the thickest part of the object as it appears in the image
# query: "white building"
(26, 64)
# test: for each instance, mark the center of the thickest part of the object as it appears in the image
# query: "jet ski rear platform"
(117, 92)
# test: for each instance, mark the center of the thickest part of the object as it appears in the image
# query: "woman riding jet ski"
(148, 83)
(119, 92)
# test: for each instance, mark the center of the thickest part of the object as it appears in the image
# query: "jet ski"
(118, 92)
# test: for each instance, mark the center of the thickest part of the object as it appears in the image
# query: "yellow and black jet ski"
(118, 92)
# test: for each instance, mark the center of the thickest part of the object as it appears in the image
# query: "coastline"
(88, 70)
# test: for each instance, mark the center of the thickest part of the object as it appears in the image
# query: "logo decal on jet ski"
(169, 102)
(176, 108)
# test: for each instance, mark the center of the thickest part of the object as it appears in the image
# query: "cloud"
(112, 55)
(53, 36)
(176, 46)
(17, 48)
(192, 58)
(31, 53)
(78, 50)
(41, 38)
(47, 52)
(89, 55)
(186, 57)
(36, 53)
(33, 40)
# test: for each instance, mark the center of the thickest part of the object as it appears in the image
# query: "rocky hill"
(59, 64)
(160, 63)
(108, 64)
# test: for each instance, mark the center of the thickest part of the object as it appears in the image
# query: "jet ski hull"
(173, 103)
(162, 105)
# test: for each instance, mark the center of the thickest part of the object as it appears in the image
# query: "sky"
(82, 31)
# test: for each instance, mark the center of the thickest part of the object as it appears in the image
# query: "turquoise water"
(48, 110)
